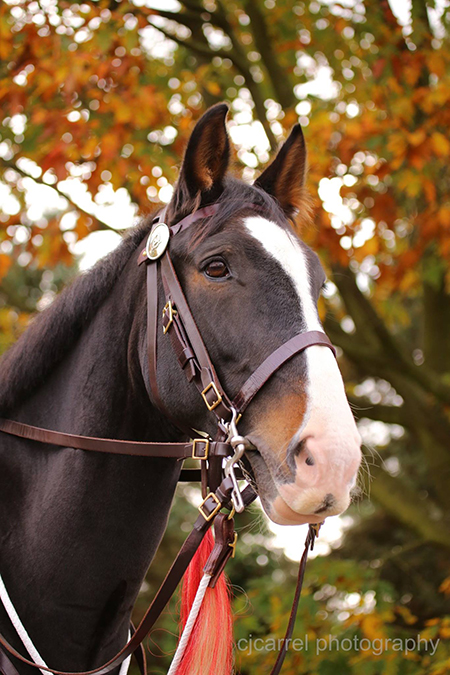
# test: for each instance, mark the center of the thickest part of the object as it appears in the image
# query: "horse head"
(252, 284)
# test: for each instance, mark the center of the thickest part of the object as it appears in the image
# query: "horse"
(79, 529)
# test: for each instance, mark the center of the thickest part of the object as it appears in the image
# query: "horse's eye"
(216, 269)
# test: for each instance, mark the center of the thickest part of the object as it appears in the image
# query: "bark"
(281, 84)
(236, 54)
(388, 352)
(400, 500)
(241, 62)
(427, 417)
(422, 33)
(436, 339)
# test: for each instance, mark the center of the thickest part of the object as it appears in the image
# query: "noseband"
(218, 457)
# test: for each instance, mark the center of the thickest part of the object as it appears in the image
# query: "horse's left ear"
(205, 162)
(284, 178)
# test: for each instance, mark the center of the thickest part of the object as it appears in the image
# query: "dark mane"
(53, 333)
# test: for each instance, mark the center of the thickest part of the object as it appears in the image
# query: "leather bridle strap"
(206, 381)
(204, 212)
(309, 545)
(152, 332)
(152, 354)
(188, 344)
(273, 362)
(114, 446)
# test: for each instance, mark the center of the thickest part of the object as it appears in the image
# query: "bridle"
(218, 457)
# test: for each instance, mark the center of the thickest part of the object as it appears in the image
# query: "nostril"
(300, 447)
(327, 503)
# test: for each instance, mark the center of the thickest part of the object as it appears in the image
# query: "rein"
(219, 480)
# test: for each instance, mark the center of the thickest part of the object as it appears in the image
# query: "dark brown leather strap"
(153, 323)
(223, 549)
(205, 212)
(273, 362)
(207, 381)
(116, 447)
(309, 545)
(152, 328)
(180, 343)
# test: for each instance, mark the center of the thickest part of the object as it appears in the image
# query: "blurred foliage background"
(97, 101)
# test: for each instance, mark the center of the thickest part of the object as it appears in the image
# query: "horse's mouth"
(260, 476)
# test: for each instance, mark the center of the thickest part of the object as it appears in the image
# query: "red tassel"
(209, 651)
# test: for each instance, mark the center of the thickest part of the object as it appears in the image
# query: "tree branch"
(386, 349)
(186, 18)
(193, 45)
(366, 319)
(239, 60)
(422, 33)
(363, 354)
(400, 501)
(194, 6)
(436, 306)
(101, 223)
(389, 414)
(281, 85)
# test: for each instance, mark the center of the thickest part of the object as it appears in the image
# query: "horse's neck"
(79, 529)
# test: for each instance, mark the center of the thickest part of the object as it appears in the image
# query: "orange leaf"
(441, 144)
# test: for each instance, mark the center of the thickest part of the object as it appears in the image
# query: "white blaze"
(328, 422)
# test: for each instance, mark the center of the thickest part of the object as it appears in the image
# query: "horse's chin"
(276, 508)
(282, 514)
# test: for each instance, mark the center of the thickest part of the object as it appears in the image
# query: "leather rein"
(219, 457)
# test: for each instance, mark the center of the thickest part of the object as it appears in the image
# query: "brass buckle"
(194, 448)
(216, 509)
(168, 309)
(233, 544)
(218, 400)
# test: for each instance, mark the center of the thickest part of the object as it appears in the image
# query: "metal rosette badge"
(157, 241)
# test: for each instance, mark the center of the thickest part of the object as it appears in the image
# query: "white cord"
(125, 664)
(203, 585)
(20, 629)
(27, 641)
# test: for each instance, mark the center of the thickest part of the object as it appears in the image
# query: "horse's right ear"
(205, 163)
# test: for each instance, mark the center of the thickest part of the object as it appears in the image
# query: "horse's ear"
(205, 162)
(284, 178)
